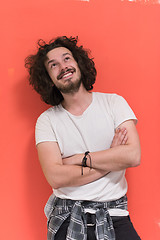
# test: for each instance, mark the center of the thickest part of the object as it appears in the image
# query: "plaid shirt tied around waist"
(58, 210)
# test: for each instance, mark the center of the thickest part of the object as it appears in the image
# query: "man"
(85, 143)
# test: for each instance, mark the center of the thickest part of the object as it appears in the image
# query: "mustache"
(72, 70)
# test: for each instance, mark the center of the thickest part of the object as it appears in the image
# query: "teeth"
(67, 75)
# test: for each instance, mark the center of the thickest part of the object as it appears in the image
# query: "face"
(63, 70)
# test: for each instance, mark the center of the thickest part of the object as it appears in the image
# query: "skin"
(123, 153)
(63, 70)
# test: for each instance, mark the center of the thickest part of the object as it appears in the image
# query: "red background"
(125, 41)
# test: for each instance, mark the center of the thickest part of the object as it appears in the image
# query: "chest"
(92, 132)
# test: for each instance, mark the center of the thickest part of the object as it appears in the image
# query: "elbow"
(136, 159)
(55, 179)
(56, 184)
(136, 162)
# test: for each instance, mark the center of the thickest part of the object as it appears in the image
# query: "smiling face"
(63, 70)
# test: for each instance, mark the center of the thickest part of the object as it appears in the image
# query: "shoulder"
(44, 116)
(45, 127)
(46, 113)
(106, 95)
(110, 98)
(49, 113)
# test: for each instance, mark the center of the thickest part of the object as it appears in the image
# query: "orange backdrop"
(125, 41)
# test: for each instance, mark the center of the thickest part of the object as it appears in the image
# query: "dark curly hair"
(39, 77)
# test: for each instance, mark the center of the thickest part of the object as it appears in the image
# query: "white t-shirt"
(92, 131)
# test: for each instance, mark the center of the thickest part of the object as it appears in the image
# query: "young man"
(85, 141)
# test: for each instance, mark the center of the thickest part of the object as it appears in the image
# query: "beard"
(69, 87)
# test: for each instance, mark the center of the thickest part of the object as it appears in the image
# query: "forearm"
(71, 175)
(68, 171)
(124, 151)
(113, 159)
(59, 175)
(116, 159)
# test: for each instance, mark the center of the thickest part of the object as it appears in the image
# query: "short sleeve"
(121, 111)
(44, 130)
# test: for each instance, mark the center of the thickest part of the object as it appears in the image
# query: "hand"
(120, 137)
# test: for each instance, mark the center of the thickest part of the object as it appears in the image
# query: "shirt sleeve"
(44, 129)
(121, 111)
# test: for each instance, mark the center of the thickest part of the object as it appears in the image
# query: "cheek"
(53, 74)
(52, 77)
(79, 72)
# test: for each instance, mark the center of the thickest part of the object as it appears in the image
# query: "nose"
(63, 67)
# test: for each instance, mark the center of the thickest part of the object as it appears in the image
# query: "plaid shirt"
(58, 210)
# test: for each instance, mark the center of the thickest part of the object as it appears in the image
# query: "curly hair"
(39, 77)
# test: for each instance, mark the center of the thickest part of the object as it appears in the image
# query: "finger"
(121, 136)
(117, 130)
(124, 137)
(114, 141)
(116, 137)
(125, 140)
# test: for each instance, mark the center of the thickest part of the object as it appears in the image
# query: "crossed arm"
(123, 153)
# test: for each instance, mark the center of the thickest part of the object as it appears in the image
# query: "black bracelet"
(84, 160)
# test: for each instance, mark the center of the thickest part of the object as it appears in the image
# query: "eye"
(53, 65)
(67, 58)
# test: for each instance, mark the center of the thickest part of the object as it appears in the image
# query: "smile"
(66, 74)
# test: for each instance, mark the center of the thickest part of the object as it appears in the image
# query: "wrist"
(86, 158)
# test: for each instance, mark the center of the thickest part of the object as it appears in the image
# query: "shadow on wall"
(28, 101)
(37, 190)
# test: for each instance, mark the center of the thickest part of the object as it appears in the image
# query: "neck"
(76, 103)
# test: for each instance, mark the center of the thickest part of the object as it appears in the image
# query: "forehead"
(58, 52)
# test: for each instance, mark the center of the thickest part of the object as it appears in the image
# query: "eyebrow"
(53, 60)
